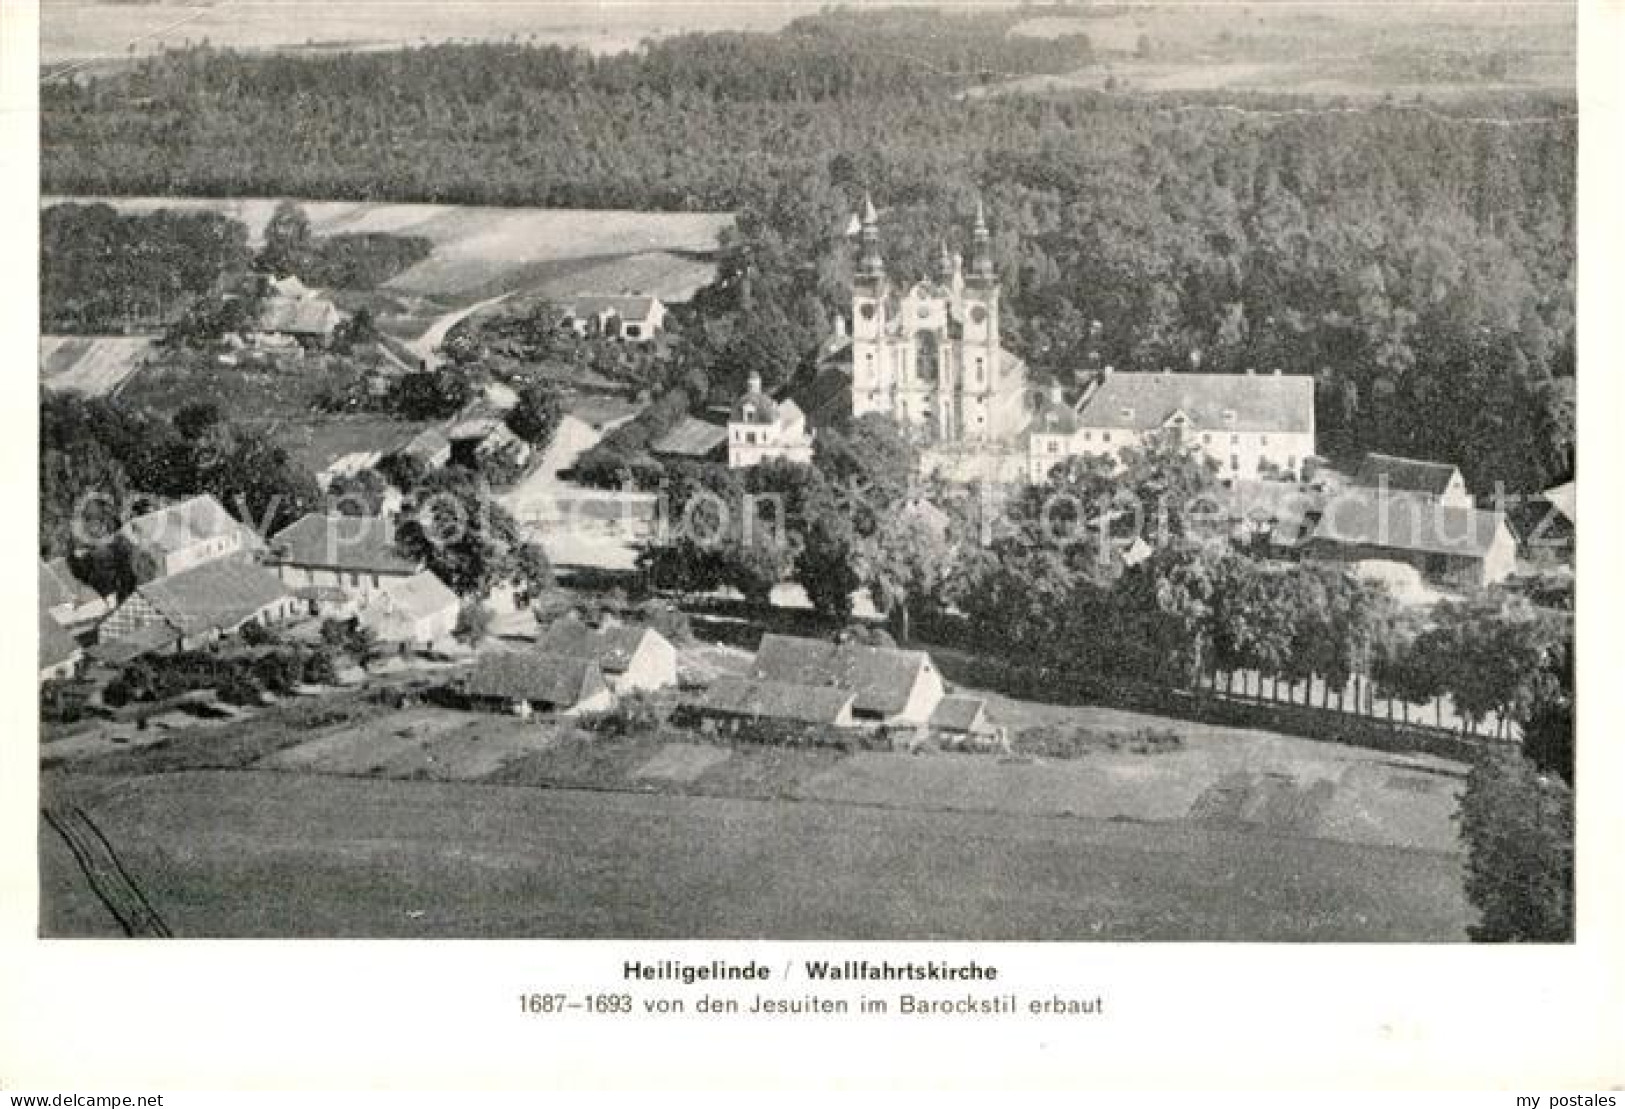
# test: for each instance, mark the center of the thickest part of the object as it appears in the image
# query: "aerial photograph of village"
(963, 471)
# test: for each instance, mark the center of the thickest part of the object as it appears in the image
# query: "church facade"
(929, 356)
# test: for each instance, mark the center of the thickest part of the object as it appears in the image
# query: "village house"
(429, 447)
(329, 560)
(1250, 425)
(1450, 546)
(420, 610)
(632, 658)
(889, 686)
(185, 535)
(292, 311)
(1439, 480)
(729, 701)
(760, 428)
(964, 720)
(196, 607)
(524, 682)
(479, 435)
(70, 601)
(59, 652)
(1545, 524)
(633, 318)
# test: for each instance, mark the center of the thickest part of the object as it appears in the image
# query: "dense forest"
(1420, 262)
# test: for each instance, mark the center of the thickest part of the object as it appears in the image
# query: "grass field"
(233, 854)
(73, 30)
(1357, 50)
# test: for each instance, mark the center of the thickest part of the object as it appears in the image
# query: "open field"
(484, 252)
(235, 854)
(70, 30)
(91, 365)
(1360, 50)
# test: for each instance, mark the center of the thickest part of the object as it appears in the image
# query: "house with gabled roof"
(631, 657)
(292, 310)
(733, 698)
(420, 610)
(691, 439)
(632, 317)
(184, 535)
(525, 682)
(69, 599)
(200, 605)
(1412, 475)
(59, 652)
(1464, 548)
(889, 686)
(1250, 425)
(964, 719)
(324, 557)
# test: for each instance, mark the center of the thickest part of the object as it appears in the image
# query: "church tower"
(871, 384)
(928, 355)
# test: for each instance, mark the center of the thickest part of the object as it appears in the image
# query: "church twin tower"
(929, 357)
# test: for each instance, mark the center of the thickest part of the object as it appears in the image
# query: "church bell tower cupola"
(870, 264)
(981, 266)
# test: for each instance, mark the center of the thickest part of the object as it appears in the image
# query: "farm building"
(636, 319)
(735, 699)
(1463, 548)
(429, 447)
(419, 610)
(691, 439)
(68, 599)
(478, 436)
(760, 428)
(320, 556)
(59, 652)
(1544, 524)
(204, 603)
(292, 310)
(889, 686)
(630, 657)
(963, 718)
(523, 682)
(1250, 425)
(1410, 475)
(186, 535)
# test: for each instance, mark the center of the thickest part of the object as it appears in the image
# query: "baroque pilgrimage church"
(929, 356)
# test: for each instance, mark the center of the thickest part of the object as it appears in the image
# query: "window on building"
(1263, 440)
(633, 331)
(1126, 413)
(1054, 447)
(1105, 437)
(1292, 462)
(750, 411)
(1235, 440)
(1207, 440)
(355, 580)
(1088, 435)
(1235, 462)
(1229, 415)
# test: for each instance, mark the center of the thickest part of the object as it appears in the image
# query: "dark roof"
(1405, 522)
(425, 444)
(184, 524)
(1405, 474)
(142, 641)
(692, 438)
(365, 543)
(219, 594)
(533, 676)
(1561, 497)
(755, 407)
(1260, 402)
(959, 714)
(55, 644)
(826, 395)
(881, 678)
(807, 704)
(611, 648)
